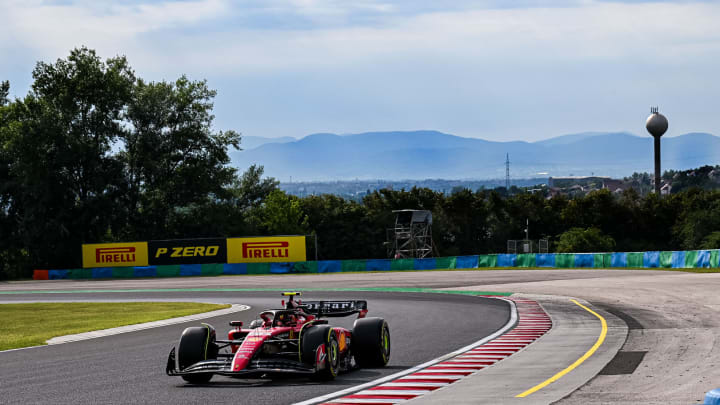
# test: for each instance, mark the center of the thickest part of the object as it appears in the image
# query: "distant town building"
(568, 181)
(613, 185)
(666, 189)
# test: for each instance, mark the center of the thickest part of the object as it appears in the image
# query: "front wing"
(223, 366)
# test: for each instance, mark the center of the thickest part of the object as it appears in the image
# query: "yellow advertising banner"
(266, 249)
(115, 254)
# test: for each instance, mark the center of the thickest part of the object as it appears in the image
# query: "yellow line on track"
(577, 362)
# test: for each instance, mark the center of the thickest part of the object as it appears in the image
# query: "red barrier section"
(40, 275)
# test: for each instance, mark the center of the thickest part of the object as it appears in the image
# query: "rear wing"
(335, 308)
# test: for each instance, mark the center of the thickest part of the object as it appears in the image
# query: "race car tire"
(371, 342)
(315, 337)
(197, 343)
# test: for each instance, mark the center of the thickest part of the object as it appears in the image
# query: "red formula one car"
(293, 340)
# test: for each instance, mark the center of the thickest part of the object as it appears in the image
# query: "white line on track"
(499, 332)
(134, 328)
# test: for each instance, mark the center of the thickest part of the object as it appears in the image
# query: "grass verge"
(25, 325)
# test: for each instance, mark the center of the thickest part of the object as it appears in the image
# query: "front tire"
(197, 343)
(371, 342)
(321, 338)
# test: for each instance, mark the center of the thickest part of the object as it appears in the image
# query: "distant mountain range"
(432, 154)
(252, 142)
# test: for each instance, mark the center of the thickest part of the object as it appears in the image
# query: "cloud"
(204, 34)
(344, 66)
(667, 33)
(53, 27)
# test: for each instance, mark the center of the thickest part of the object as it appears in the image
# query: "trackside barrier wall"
(584, 260)
(652, 259)
(602, 260)
(564, 260)
(545, 260)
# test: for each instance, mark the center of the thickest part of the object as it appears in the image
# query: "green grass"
(24, 325)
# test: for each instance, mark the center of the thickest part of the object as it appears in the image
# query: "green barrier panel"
(564, 260)
(487, 261)
(402, 264)
(602, 260)
(666, 259)
(634, 259)
(305, 267)
(170, 270)
(445, 262)
(354, 265)
(258, 268)
(123, 272)
(690, 258)
(79, 273)
(714, 258)
(525, 260)
(214, 269)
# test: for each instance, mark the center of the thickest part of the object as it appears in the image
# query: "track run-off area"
(659, 337)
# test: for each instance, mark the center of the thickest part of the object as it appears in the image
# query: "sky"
(500, 70)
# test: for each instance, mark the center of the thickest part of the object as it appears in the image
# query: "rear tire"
(312, 339)
(371, 342)
(197, 343)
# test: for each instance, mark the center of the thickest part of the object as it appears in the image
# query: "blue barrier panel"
(703, 258)
(101, 272)
(280, 268)
(466, 262)
(57, 274)
(678, 259)
(712, 397)
(190, 270)
(425, 264)
(377, 265)
(651, 259)
(584, 259)
(234, 268)
(618, 260)
(329, 266)
(545, 260)
(148, 271)
(506, 260)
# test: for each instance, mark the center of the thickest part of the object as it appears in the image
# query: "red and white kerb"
(533, 322)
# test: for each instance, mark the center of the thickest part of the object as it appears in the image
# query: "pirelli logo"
(258, 250)
(269, 249)
(115, 254)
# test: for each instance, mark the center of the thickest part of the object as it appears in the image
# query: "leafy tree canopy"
(578, 240)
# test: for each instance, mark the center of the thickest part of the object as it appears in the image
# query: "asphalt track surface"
(129, 368)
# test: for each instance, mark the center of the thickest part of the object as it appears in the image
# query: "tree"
(465, 219)
(712, 241)
(13, 258)
(578, 240)
(4, 92)
(344, 227)
(92, 154)
(175, 163)
(63, 178)
(281, 214)
(250, 190)
(698, 217)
